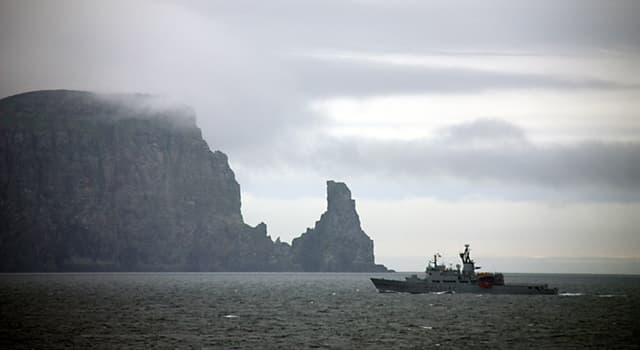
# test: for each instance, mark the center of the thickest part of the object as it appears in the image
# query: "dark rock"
(119, 182)
(92, 182)
(337, 242)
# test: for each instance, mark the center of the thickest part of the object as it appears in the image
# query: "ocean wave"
(611, 295)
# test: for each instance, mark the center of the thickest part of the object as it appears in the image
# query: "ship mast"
(466, 259)
(468, 267)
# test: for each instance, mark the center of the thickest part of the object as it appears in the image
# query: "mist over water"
(311, 310)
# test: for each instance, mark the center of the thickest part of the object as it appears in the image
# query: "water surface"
(308, 310)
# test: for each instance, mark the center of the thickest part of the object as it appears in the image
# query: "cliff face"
(337, 242)
(94, 182)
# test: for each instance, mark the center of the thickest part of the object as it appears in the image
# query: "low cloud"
(231, 62)
(331, 78)
(484, 157)
(489, 132)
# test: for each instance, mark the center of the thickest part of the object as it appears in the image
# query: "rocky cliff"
(119, 182)
(337, 242)
(93, 182)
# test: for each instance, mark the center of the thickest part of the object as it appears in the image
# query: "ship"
(440, 279)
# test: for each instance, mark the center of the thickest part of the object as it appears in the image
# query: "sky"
(513, 125)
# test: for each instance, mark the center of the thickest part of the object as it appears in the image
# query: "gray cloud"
(228, 59)
(413, 24)
(485, 129)
(338, 78)
(240, 93)
(486, 157)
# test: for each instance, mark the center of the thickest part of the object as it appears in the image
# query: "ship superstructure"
(462, 279)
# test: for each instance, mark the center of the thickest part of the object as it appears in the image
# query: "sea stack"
(337, 243)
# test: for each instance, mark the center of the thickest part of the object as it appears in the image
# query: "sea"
(309, 311)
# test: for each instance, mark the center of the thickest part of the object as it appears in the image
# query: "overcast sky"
(510, 125)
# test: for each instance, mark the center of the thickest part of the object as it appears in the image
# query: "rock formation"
(337, 242)
(93, 182)
(119, 182)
